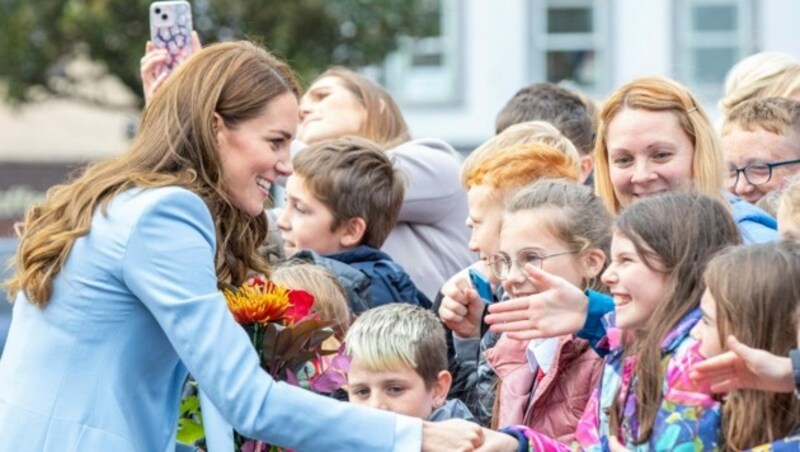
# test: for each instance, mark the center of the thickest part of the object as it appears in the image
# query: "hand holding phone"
(171, 30)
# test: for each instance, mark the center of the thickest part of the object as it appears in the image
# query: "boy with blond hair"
(399, 363)
(342, 201)
(761, 140)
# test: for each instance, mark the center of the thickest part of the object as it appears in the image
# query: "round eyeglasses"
(500, 263)
(755, 173)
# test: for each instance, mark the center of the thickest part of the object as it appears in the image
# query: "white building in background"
(453, 84)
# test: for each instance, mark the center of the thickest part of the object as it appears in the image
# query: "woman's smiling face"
(648, 153)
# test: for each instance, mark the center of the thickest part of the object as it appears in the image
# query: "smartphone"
(171, 29)
(481, 285)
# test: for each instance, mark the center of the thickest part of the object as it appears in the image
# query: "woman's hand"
(453, 435)
(743, 367)
(152, 64)
(494, 441)
(558, 308)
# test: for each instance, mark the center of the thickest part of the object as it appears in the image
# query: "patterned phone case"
(171, 29)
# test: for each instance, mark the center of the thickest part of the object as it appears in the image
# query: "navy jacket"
(390, 282)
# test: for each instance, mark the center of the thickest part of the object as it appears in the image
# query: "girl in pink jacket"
(563, 228)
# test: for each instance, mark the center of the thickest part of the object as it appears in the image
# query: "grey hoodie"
(431, 238)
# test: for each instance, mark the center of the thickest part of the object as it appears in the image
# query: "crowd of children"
(591, 278)
(596, 326)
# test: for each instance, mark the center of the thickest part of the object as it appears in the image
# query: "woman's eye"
(661, 155)
(622, 160)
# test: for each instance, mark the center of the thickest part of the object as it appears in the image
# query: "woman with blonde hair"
(764, 74)
(117, 273)
(655, 137)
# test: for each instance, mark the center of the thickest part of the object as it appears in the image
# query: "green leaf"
(189, 406)
(189, 431)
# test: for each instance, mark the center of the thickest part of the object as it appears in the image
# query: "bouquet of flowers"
(289, 339)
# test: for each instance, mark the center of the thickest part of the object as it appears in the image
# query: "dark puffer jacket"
(390, 282)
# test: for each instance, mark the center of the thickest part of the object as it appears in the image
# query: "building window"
(571, 43)
(712, 35)
(426, 70)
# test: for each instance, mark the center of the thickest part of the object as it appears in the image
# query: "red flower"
(300, 303)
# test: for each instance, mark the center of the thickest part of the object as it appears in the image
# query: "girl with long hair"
(758, 308)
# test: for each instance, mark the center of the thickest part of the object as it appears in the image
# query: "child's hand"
(743, 367)
(451, 435)
(462, 310)
(558, 308)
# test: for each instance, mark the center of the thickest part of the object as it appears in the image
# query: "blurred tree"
(40, 38)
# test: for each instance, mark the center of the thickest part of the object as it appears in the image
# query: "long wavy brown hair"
(675, 233)
(176, 146)
(758, 307)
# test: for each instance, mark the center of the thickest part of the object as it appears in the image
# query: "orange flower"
(258, 303)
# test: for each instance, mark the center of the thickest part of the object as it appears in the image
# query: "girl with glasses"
(562, 227)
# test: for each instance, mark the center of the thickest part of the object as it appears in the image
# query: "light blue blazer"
(135, 306)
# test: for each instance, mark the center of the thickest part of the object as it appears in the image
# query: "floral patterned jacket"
(688, 419)
(791, 443)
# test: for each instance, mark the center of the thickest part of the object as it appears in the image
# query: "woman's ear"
(217, 126)
(441, 387)
(594, 261)
(352, 232)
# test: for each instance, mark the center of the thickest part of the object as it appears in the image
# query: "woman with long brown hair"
(116, 282)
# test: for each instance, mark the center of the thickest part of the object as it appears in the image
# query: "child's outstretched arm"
(558, 308)
(743, 367)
